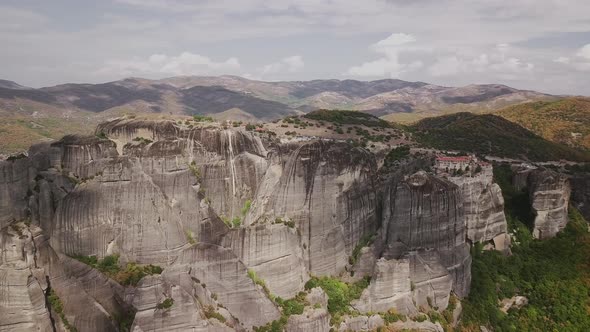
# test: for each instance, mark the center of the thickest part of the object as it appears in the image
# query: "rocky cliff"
(423, 248)
(549, 193)
(581, 193)
(235, 220)
(483, 206)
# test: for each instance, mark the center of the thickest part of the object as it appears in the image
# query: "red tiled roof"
(454, 159)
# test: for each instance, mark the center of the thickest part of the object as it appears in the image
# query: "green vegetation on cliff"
(57, 306)
(490, 135)
(554, 275)
(131, 274)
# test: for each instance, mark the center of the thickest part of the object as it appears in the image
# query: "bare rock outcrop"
(32, 270)
(549, 193)
(22, 296)
(328, 190)
(361, 323)
(233, 220)
(163, 306)
(390, 287)
(273, 252)
(226, 279)
(424, 212)
(16, 185)
(581, 193)
(311, 320)
(483, 206)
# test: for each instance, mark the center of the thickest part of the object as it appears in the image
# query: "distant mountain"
(229, 97)
(271, 100)
(565, 121)
(11, 85)
(490, 135)
(391, 99)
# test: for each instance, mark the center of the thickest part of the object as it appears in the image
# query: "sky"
(541, 45)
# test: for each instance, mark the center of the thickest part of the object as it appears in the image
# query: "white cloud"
(562, 59)
(579, 61)
(289, 64)
(497, 63)
(160, 64)
(446, 66)
(584, 52)
(389, 64)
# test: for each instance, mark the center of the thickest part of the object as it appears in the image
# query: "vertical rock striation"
(273, 253)
(549, 193)
(327, 189)
(483, 206)
(423, 221)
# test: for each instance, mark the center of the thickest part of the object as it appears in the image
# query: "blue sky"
(540, 45)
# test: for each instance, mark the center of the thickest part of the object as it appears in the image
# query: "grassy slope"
(18, 133)
(554, 120)
(490, 134)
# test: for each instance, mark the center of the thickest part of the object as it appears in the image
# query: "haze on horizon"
(541, 45)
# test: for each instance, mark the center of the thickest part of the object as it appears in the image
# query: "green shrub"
(202, 118)
(128, 276)
(210, 312)
(195, 170)
(142, 140)
(16, 157)
(189, 237)
(348, 117)
(340, 294)
(363, 242)
(166, 304)
(247, 206)
(57, 306)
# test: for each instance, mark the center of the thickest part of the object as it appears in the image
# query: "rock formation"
(328, 190)
(234, 219)
(549, 193)
(483, 206)
(424, 212)
(581, 193)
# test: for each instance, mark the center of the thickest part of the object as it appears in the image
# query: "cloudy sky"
(541, 45)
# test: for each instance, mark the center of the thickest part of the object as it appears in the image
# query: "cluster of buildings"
(451, 165)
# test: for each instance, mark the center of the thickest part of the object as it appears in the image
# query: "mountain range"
(33, 114)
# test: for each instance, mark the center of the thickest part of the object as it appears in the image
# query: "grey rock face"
(417, 326)
(32, 268)
(156, 192)
(431, 279)
(361, 323)
(390, 287)
(312, 320)
(185, 313)
(483, 206)
(328, 190)
(22, 307)
(549, 193)
(219, 271)
(16, 178)
(274, 253)
(424, 212)
(581, 193)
